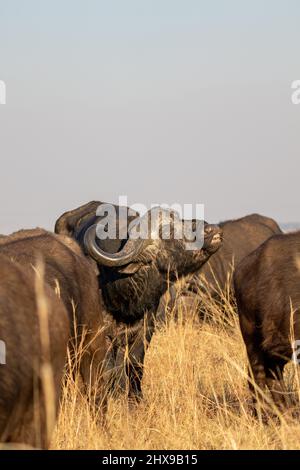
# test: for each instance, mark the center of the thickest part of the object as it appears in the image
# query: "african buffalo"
(240, 237)
(70, 274)
(267, 287)
(134, 274)
(29, 397)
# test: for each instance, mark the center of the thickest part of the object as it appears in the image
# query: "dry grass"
(195, 397)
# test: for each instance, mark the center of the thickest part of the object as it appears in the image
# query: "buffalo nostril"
(217, 238)
(212, 236)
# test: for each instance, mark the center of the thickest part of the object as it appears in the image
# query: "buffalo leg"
(256, 372)
(127, 368)
(275, 383)
(129, 348)
(137, 355)
(267, 375)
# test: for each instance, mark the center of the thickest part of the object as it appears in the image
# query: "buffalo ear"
(131, 268)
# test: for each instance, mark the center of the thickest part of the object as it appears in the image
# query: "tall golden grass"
(195, 395)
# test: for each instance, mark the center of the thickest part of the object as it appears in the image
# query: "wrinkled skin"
(240, 237)
(267, 284)
(69, 273)
(131, 293)
(23, 416)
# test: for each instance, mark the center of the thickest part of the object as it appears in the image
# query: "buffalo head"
(133, 278)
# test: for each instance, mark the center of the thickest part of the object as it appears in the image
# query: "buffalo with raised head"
(136, 272)
(267, 288)
(71, 275)
(32, 359)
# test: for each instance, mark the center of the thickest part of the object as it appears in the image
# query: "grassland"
(195, 396)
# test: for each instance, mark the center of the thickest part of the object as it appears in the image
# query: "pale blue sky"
(162, 100)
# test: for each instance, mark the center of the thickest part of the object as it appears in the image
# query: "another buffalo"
(72, 276)
(32, 358)
(267, 287)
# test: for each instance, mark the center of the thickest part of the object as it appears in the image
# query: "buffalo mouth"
(213, 238)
